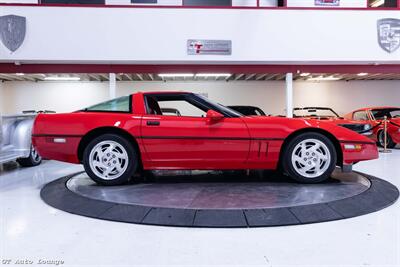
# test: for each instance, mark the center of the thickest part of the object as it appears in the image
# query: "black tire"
(381, 138)
(34, 159)
(132, 160)
(289, 168)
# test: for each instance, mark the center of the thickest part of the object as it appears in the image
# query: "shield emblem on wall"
(389, 34)
(12, 31)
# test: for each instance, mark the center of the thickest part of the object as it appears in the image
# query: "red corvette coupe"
(119, 137)
(375, 116)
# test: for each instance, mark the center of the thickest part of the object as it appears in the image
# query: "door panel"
(194, 142)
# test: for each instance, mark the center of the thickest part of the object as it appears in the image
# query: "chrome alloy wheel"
(108, 160)
(35, 155)
(311, 158)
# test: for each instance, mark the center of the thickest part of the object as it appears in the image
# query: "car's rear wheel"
(110, 160)
(34, 159)
(309, 158)
(381, 140)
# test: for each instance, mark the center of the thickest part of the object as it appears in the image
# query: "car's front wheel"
(309, 158)
(110, 160)
(389, 140)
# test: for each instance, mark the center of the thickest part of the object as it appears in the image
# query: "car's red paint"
(191, 142)
(392, 129)
(335, 120)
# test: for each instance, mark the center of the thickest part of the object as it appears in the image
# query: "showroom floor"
(31, 230)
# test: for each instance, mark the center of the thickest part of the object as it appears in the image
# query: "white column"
(112, 85)
(289, 95)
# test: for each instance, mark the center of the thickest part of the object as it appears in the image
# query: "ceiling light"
(56, 78)
(362, 74)
(226, 75)
(322, 78)
(175, 75)
(377, 3)
(304, 74)
(19, 74)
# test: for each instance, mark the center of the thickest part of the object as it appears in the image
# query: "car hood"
(281, 127)
(335, 120)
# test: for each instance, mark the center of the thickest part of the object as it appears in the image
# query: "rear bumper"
(54, 147)
(368, 151)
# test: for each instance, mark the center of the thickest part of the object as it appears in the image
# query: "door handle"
(153, 123)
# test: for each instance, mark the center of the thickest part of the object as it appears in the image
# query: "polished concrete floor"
(32, 231)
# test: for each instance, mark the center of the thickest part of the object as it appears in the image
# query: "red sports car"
(374, 116)
(328, 114)
(117, 138)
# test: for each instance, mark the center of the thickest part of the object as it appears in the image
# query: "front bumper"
(363, 151)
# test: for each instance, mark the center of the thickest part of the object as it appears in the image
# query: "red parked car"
(375, 116)
(117, 138)
(328, 114)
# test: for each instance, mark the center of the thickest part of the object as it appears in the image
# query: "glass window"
(187, 104)
(382, 3)
(379, 114)
(122, 104)
(184, 108)
(315, 112)
(220, 108)
(360, 116)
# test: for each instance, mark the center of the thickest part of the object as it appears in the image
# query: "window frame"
(191, 98)
(184, 98)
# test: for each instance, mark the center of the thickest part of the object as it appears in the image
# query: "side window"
(163, 105)
(360, 116)
(122, 104)
(184, 108)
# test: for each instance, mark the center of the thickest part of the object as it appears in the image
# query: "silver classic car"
(16, 140)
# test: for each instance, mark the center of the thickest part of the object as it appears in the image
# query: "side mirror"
(214, 116)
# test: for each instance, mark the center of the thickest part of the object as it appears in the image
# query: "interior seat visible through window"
(153, 107)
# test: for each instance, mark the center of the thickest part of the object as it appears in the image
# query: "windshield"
(315, 112)
(248, 110)
(121, 104)
(221, 108)
(391, 113)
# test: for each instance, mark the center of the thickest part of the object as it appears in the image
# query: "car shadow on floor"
(217, 176)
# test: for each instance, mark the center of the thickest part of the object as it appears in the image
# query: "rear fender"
(21, 136)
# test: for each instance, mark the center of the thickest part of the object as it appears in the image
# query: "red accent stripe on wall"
(207, 7)
(102, 68)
